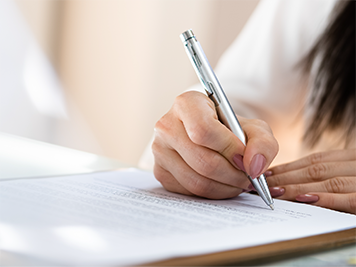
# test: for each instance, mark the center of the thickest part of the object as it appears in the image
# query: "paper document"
(126, 217)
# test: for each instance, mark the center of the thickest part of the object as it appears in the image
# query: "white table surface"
(22, 157)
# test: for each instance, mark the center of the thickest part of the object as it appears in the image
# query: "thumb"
(198, 115)
(261, 147)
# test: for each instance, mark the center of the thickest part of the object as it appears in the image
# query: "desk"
(21, 157)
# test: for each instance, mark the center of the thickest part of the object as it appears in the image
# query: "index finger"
(321, 157)
(204, 129)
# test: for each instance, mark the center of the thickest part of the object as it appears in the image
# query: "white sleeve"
(259, 70)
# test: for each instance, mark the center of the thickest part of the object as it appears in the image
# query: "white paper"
(126, 217)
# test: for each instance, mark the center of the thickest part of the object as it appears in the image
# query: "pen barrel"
(223, 108)
(211, 84)
(232, 124)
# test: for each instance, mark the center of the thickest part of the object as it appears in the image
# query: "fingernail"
(238, 161)
(257, 164)
(307, 198)
(276, 191)
(251, 187)
(245, 191)
(268, 173)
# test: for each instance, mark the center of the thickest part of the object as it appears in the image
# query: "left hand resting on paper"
(326, 179)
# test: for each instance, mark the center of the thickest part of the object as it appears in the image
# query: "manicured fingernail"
(268, 173)
(238, 161)
(307, 198)
(276, 191)
(257, 164)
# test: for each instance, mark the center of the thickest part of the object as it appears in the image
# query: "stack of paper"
(126, 217)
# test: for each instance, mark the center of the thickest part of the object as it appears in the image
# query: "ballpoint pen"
(223, 108)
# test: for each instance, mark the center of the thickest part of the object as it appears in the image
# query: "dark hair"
(333, 93)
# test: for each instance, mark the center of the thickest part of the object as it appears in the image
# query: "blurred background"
(96, 75)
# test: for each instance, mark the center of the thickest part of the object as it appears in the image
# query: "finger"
(316, 158)
(261, 147)
(313, 173)
(203, 128)
(205, 161)
(341, 202)
(333, 185)
(192, 181)
(168, 181)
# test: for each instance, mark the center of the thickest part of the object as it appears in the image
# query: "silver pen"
(223, 108)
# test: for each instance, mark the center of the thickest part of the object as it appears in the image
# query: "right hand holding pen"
(195, 154)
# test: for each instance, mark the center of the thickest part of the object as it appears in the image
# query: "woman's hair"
(333, 93)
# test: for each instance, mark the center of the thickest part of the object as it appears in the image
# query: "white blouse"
(259, 71)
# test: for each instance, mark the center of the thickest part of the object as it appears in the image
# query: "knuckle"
(275, 181)
(165, 129)
(207, 164)
(265, 136)
(196, 187)
(298, 189)
(156, 148)
(158, 145)
(163, 125)
(200, 187)
(160, 154)
(230, 146)
(316, 171)
(200, 133)
(271, 143)
(182, 101)
(335, 185)
(160, 175)
(182, 98)
(263, 125)
(315, 158)
(159, 125)
(260, 123)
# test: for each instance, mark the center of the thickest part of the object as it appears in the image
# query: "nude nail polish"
(257, 164)
(238, 161)
(268, 173)
(306, 198)
(276, 191)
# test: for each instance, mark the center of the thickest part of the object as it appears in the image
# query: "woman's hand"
(326, 179)
(197, 155)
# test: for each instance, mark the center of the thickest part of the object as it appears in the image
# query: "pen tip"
(271, 206)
